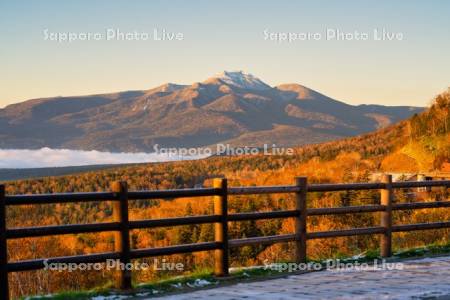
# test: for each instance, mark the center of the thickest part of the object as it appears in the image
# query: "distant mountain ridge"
(232, 107)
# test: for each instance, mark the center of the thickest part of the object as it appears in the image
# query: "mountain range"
(231, 107)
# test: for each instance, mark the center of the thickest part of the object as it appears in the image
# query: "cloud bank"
(47, 157)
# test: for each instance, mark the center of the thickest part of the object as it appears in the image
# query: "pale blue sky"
(226, 35)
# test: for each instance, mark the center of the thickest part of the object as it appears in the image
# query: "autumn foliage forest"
(350, 160)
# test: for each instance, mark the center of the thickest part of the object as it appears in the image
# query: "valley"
(347, 160)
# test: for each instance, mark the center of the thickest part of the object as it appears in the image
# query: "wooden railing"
(121, 224)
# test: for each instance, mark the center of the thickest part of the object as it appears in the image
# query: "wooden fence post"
(300, 221)
(122, 237)
(387, 196)
(4, 286)
(221, 255)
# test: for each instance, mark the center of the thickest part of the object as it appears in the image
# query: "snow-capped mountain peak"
(242, 80)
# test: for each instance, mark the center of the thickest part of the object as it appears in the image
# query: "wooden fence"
(121, 225)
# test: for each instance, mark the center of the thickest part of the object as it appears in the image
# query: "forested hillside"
(428, 145)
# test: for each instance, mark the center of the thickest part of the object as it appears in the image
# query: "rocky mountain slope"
(232, 107)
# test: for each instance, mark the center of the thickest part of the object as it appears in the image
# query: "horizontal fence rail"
(36, 264)
(58, 198)
(121, 225)
(346, 232)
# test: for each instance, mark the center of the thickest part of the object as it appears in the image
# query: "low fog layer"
(46, 157)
